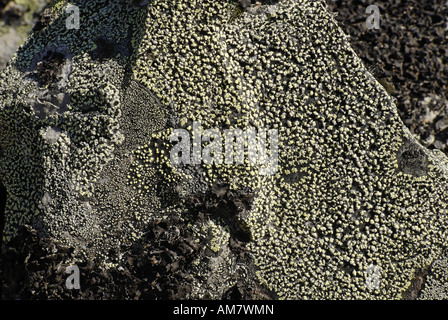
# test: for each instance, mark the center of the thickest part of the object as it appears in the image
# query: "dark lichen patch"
(245, 286)
(49, 68)
(243, 290)
(43, 21)
(412, 159)
(225, 206)
(142, 115)
(3, 195)
(8, 134)
(417, 284)
(106, 48)
(139, 3)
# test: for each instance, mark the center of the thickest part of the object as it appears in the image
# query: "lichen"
(435, 286)
(92, 168)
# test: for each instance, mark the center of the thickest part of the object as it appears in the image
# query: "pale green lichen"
(353, 189)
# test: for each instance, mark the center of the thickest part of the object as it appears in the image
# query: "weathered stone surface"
(17, 18)
(85, 120)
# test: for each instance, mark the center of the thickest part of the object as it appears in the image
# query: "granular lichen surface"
(86, 116)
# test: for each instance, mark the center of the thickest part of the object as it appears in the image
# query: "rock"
(415, 61)
(353, 207)
(16, 20)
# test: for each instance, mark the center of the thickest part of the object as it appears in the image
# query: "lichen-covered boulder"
(354, 208)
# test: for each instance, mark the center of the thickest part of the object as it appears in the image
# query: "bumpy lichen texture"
(86, 117)
(436, 286)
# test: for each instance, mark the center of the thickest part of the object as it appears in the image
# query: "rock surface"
(17, 18)
(85, 122)
(409, 50)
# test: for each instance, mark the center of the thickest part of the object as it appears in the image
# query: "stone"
(85, 156)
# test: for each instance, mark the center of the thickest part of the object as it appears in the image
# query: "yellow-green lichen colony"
(66, 89)
(353, 190)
